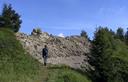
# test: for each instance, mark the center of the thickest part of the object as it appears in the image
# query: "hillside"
(18, 66)
(71, 51)
(61, 73)
(15, 64)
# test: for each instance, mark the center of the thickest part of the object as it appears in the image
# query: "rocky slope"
(71, 50)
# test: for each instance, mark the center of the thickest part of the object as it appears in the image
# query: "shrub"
(36, 31)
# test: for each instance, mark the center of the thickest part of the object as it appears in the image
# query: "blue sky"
(69, 17)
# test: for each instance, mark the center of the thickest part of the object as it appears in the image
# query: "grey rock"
(71, 51)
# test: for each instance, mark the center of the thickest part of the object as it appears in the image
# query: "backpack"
(45, 52)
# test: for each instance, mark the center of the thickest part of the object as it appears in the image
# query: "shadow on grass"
(84, 73)
(55, 68)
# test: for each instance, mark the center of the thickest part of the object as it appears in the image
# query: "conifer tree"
(10, 18)
(126, 37)
(120, 34)
(102, 41)
(108, 57)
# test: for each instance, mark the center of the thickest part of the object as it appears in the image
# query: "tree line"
(109, 55)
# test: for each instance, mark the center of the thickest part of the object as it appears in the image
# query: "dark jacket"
(45, 52)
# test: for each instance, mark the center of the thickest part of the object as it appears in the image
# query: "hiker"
(45, 54)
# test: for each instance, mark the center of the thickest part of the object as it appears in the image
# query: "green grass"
(18, 66)
(15, 65)
(64, 74)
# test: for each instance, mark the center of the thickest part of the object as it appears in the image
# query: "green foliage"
(101, 42)
(2, 21)
(112, 32)
(126, 37)
(120, 34)
(15, 64)
(118, 66)
(84, 34)
(10, 18)
(37, 31)
(109, 58)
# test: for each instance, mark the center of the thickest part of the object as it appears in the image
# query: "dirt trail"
(45, 74)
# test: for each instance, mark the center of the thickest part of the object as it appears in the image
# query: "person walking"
(45, 54)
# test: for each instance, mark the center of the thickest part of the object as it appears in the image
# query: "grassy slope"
(16, 66)
(63, 74)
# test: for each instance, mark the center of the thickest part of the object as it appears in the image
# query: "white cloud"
(61, 35)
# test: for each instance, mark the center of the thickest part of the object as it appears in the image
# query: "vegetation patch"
(15, 64)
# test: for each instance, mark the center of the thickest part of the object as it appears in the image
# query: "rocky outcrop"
(71, 50)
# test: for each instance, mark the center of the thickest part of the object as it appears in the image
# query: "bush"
(84, 34)
(36, 31)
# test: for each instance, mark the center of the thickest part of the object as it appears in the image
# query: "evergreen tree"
(102, 41)
(2, 21)
(120, 34)
(10, 18)
(112, 32)
(108, 57)
(84, 34)
(126, 37)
